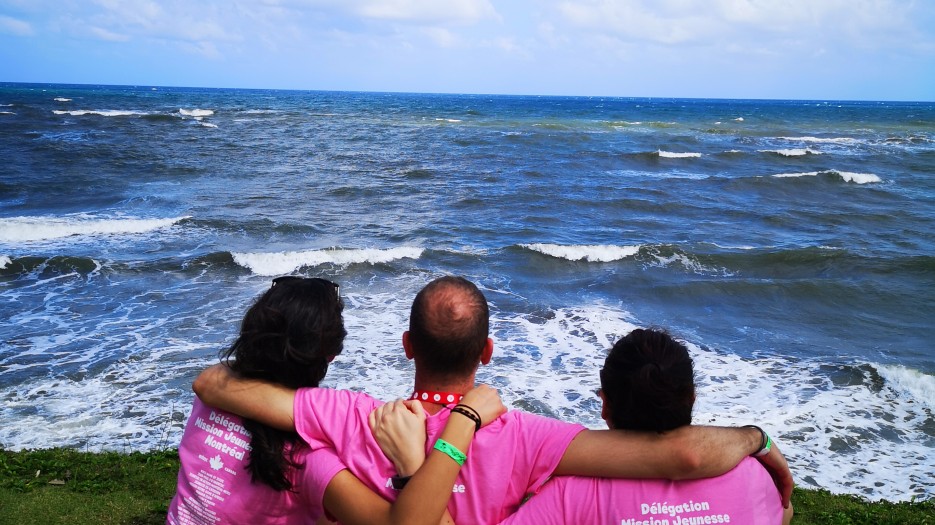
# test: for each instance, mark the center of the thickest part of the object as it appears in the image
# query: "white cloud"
(446, 12)
(109, 36)
(426, 11)
(509, 46)
(627, 46)
(674, 22)
(174, 20)
(631, 21)
(15, 26)
(205, 49)
(441, 36)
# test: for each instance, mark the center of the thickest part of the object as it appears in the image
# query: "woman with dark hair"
(236, 470)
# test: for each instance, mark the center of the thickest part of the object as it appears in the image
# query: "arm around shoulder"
(623, 454)
(267, 403)
(689, 452)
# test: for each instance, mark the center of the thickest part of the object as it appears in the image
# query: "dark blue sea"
(790, 243)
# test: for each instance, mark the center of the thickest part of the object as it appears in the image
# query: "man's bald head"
(448, 327)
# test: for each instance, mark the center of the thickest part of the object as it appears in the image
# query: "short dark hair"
(448, 327)
(648, 380)
(288, 336)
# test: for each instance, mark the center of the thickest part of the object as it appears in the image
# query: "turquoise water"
(790, 243)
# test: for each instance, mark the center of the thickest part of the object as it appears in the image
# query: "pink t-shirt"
(745, 496)
(215, 487)
(508, 458)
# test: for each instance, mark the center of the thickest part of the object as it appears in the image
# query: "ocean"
(791, 244)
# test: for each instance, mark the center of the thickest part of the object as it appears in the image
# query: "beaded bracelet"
(472, 415)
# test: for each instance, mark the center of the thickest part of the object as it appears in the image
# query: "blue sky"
(796, 49)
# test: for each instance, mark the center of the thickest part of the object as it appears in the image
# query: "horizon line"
(455, 93)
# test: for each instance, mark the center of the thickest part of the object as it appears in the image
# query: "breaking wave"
(589, 253)
(25, 229)
(675, 155)
(278, 263)
(196, 112)
(856, 178)
(102, 113)
(794, 152)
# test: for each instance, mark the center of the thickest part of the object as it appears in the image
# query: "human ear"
(407, 345)
(487, 352)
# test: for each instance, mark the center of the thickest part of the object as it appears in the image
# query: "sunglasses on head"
(295, 278)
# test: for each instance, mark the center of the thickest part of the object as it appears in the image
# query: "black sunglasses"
(296, 278)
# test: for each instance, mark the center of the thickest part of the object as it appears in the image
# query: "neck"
(447, 384)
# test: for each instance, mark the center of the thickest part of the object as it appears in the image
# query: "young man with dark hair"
(647, 383)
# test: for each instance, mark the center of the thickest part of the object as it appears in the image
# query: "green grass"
(71, 487)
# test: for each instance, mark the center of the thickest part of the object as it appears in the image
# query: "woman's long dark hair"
(288, 336)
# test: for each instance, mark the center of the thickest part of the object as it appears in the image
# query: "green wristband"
(765, 450)
(449, 450)
(765, 445)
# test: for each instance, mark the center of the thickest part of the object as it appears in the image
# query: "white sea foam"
(589, 253)
(62, 99)
(102, 113)
(856, 178)
(7, 113)
(128, 406)
(830, 140)
(687, 262)
(207, 124)
(671, 155)
(739, 119)
(859, 436)
(196, 112)
(5, 261)
(278, 263)
(849, 438)
(26, 229)
(794, 152)
(744, 247)
(830, 433)
(919, 387)
(448, 119)
(794, 175)
(859, 178)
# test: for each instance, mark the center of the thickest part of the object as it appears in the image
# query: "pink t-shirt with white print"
(214, 486)
(507, 459)
(745, 496)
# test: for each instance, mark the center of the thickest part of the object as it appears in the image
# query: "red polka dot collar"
(442, 398)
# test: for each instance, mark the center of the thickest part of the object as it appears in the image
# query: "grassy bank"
(64, 486)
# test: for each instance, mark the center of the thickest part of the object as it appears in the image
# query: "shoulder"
(534, 431)
(528, 421)
(334, 398)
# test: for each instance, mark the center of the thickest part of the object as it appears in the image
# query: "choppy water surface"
(790, 243)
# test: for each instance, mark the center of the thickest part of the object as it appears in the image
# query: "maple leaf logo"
(216, 462)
